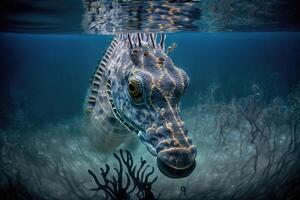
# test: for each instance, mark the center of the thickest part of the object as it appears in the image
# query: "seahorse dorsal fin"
(96, 78)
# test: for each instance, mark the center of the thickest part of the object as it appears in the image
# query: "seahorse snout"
(174, 149)
(177, 162)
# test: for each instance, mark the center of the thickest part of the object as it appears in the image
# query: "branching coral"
(137, 179)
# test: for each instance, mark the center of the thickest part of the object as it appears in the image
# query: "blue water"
(242, 110)
(47, 76)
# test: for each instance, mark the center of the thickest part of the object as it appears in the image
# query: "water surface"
(109, 17)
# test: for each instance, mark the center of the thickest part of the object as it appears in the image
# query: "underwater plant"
(250, 146)
(137, 179)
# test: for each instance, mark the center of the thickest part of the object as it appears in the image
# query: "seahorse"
(136, 90)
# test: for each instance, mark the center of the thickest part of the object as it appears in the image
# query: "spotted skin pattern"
(153, 112)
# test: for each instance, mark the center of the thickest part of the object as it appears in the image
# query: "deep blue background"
(45, 77)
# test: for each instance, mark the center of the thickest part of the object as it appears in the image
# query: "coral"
(137, 179)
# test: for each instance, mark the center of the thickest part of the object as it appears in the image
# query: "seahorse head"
(145, 96)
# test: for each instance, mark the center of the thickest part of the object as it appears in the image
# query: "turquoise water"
(241, 108)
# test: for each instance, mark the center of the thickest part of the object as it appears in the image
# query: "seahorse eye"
(135, 89)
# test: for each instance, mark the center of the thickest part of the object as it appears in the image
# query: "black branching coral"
(128, 180)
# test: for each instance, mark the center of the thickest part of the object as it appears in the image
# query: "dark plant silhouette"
(136, 178)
